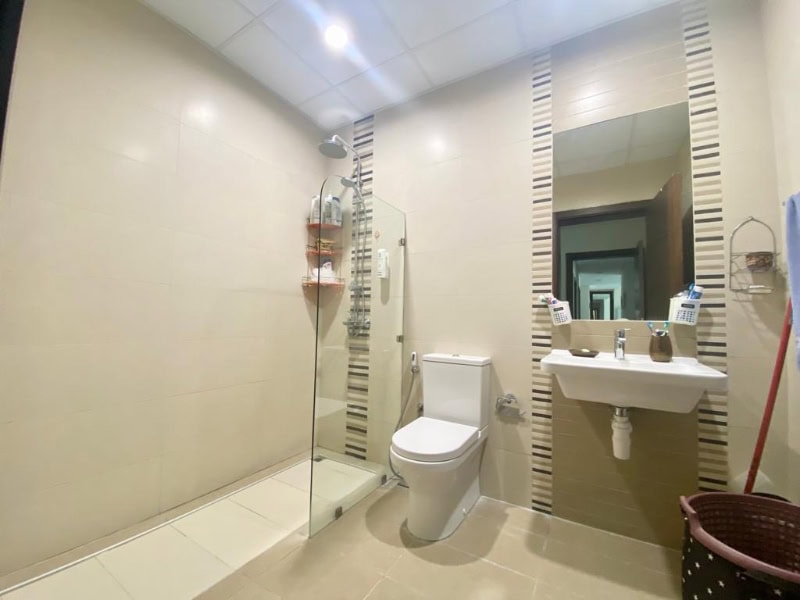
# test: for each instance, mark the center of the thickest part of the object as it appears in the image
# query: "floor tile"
(164, 564)
(315, 572)
(512, 516)
(230, 532)
(389, 589)
(335, 484)
(514, 549)
(276, 501)
(444, 572)
(274, 555)
(298, 476)
(237, 587)
(87, 580)
(500, 551)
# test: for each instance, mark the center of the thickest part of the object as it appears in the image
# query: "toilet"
(439, 453)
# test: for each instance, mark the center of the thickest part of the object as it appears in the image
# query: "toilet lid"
(432, 440)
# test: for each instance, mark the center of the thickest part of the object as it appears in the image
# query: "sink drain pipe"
(621, 433)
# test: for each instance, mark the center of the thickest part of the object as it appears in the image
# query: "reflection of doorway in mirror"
(605, 285)
(601, 304)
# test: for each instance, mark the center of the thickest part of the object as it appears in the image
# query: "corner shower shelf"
(323, 227)
(309, 282)
(311, 251)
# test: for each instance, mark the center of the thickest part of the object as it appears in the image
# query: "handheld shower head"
(333, 147)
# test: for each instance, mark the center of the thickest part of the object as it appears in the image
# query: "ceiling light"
(336, 37)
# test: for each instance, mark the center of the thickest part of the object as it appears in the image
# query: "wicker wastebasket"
(739, 546)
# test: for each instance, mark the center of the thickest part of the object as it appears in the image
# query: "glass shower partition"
(359, 290)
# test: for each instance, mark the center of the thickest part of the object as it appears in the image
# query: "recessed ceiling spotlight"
(336, 37)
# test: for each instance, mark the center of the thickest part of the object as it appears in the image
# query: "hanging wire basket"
(753, 271)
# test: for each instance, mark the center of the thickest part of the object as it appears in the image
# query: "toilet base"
(430, 521)
(440, 498)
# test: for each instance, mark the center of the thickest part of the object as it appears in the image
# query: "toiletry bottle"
(315, 213)
(660, 346)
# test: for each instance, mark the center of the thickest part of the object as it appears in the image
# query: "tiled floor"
(501, 552)
(189, 555)
(247, 547)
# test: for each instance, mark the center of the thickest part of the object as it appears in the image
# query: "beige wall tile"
(782, 56)
(76, 512)
(152, 227)
(506, 476)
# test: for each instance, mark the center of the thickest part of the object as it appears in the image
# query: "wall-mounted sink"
(634, 381)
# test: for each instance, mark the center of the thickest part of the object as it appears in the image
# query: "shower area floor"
(187, 555)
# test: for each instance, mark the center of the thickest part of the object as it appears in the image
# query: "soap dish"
(584, 352)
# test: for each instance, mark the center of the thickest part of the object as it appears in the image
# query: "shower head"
(349, 183)
(336, 147)
(333, 147)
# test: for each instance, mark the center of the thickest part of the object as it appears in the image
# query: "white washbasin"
(634, 381)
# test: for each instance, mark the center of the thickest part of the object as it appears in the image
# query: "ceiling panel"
(655, 126)
(213, 21)
(257, 7)
(330, 109)
(420, 21)
(590, 164)
(665, 149)
(302, 23)
(395, 81)
(608, 136)
(483, 43)
(651, 135)
(544, 22)
(264, 56)
(399, 49)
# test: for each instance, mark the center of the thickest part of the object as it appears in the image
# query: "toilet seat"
(433, 440)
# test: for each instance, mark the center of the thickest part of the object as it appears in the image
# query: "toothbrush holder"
(660, 347)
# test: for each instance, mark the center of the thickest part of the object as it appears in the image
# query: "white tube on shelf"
(621, 436)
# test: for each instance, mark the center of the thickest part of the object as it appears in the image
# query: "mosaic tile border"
(709, 242)
(541, 282)
(357, 415)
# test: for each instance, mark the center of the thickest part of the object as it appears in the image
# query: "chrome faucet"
(619, 343)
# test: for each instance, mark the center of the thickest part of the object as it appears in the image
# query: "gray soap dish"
(583, 352)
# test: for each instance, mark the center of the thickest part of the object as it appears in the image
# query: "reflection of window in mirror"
(622, 223)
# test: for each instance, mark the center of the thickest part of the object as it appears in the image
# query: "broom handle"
(773, 392)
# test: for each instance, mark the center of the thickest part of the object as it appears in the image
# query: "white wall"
(629, 67)
(782, 54)
(457, 161)
(749, 188)
(154, 340)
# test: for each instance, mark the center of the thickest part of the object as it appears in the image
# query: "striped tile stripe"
(712, 414)
(357, 415)
(541, 281)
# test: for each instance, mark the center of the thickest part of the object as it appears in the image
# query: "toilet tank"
(456, 388)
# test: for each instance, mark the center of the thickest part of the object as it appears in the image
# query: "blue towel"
(793, 259)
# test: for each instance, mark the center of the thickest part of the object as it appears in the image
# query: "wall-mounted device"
(383, 263)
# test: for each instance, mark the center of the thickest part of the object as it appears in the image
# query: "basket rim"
(727, 552)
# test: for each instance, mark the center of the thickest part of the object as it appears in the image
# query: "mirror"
(622, 215)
